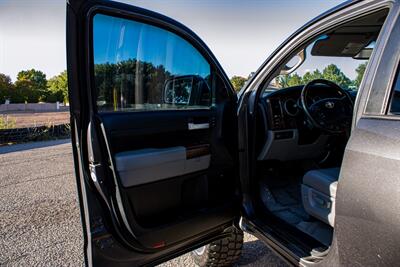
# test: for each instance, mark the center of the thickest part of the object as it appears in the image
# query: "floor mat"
(285, 203)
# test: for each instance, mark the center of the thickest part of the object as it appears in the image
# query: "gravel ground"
(39, 216)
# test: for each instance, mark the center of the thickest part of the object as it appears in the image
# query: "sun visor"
(341, 45)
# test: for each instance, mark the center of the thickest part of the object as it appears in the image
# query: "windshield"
(347, 72)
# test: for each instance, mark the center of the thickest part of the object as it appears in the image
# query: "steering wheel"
(332, 114)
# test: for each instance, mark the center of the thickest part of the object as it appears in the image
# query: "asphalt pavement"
(39, 215)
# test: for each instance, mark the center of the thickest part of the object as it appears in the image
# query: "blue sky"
(240, 33)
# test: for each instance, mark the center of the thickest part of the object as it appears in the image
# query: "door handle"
(198, 126)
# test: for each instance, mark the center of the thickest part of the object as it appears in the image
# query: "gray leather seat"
(319, 193)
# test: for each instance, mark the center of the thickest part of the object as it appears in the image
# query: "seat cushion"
(323, 180)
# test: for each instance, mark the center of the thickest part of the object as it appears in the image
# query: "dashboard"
(284, 110)
(287, 133)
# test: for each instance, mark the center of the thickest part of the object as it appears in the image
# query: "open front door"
(154, 133)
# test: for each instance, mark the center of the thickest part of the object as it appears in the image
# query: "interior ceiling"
(350, 39)
(368, 24)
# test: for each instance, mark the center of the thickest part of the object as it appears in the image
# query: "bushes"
(42, 133)
(7, 122)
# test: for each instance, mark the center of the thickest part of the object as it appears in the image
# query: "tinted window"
(395, 103)
(143, 67)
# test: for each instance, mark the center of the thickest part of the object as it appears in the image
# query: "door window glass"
(142, 67)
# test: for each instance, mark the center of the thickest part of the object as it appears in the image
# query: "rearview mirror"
(294, 63)
(364, 54)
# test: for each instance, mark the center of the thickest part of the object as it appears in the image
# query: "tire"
(224, 252)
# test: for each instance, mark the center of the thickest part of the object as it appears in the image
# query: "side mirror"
(177, 90)
(187, 90)
(294, 63)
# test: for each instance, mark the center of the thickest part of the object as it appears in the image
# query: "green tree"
(360, 74)
(238, 82)
(334, 74)
(331, 73)
(31, 86)
(295, 79)
(317, 74)
(309, 76)
(6, 87)
(288, 80)
(58, 88)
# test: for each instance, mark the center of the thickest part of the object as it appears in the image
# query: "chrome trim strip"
(194, 126)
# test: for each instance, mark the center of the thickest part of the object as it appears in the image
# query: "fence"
(18, 135)
(34, 107)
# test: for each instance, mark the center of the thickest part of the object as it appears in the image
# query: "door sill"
(253, 227)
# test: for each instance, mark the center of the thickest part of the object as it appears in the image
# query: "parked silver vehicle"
(169, 159)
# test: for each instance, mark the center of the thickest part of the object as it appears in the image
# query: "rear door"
(367, 218)
(154, 133)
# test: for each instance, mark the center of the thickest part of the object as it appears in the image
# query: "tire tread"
(220, 253)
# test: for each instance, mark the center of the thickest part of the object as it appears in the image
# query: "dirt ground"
(22, 119)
